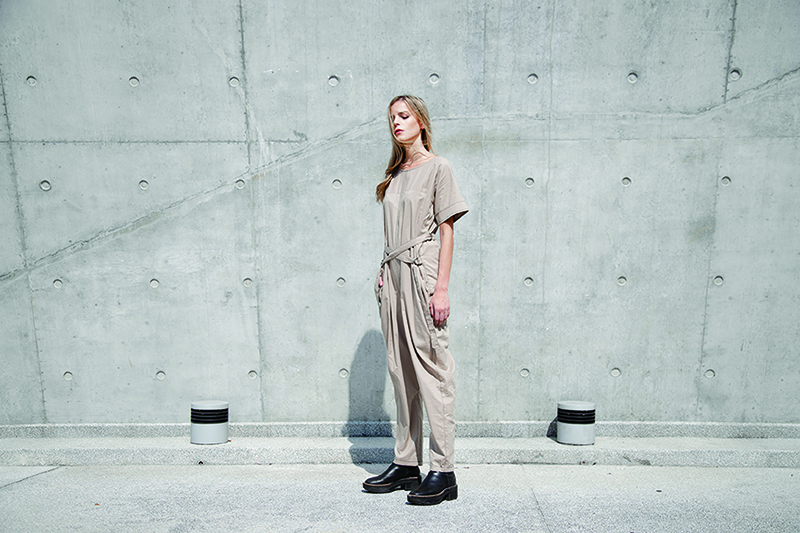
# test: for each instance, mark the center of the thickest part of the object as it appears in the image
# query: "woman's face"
(405, 126)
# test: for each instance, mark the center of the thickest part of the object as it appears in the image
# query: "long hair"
(420, 111)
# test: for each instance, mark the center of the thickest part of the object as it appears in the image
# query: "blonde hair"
(420, 111)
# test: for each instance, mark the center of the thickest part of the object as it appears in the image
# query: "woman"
(419, 196)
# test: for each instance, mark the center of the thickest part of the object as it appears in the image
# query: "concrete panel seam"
(244, 84)
(713, 232)
(253, 238)
(548, 156)
(23, 247)
(113, 142)
(730, 49)
(483, 74)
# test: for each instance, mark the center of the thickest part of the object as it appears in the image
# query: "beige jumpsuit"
(416, 202)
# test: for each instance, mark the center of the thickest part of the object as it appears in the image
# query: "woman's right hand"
(379, 286)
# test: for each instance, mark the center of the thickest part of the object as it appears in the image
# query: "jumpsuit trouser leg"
(421, 367)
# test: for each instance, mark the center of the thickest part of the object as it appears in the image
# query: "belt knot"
(406, 246)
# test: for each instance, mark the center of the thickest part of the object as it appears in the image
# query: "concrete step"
(655, 451)
(464, 429)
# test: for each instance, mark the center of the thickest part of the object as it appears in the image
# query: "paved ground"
(329, 498)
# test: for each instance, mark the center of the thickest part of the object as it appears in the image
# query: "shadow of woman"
(368, 424)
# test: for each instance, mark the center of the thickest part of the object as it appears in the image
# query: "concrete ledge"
(513, 429)
(655, 451)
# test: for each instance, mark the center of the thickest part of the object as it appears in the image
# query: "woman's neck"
(415, 156)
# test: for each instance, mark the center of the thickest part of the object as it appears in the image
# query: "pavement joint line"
(26, 478)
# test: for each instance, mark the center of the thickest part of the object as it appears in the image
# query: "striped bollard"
(209, 422)
(575, 423)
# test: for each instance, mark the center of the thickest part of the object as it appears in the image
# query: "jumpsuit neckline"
(418, 166)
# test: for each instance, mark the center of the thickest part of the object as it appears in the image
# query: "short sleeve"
(447, 201)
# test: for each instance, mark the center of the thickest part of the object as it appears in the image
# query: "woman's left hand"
(439, 306)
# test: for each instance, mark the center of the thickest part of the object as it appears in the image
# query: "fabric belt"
(395, 254)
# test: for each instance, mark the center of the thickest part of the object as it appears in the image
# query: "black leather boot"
(437, 486)
(395, 477)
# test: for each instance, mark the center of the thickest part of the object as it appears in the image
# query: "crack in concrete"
(769, 84)
(111, 234)
(315, 147)
(309, 149)
(751, 95)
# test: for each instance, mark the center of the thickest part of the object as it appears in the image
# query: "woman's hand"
(439, 306)
(380, 280)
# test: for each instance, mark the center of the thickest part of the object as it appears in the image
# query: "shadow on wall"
(367, 416)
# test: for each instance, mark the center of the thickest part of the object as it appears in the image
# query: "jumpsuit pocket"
(429, 266)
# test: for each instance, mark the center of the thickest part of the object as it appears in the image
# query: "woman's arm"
(439, 305)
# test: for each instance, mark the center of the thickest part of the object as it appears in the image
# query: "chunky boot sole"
(409, 483)
(450, 493)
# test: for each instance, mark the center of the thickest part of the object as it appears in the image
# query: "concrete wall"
(186, 191)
